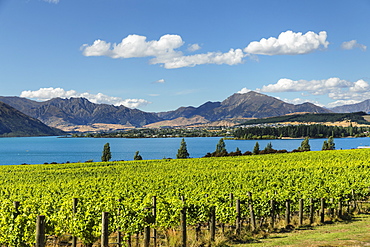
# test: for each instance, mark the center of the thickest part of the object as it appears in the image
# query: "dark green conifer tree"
(137, 156)
(268, 147)
(221, 148)
(256, 148)
(182, 152)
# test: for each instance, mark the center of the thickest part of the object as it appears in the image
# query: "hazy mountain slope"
(16, 123)
(362, 106)
(204, 110)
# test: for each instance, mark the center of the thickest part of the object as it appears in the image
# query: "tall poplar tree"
(220, 148)
(107, 155)
(305, 146)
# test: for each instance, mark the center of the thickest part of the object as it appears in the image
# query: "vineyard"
(214, 192)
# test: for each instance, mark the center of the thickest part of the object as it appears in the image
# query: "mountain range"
(70, 114)
(79, 111)
(248, 105)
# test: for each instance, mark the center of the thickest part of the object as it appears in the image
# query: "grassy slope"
(353, 233)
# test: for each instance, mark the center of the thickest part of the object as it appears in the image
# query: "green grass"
(352, 233)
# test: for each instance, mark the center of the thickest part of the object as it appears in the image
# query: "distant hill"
(363, 106)
(16, 123)
(357, 117)
(80, 111)
(248, 105)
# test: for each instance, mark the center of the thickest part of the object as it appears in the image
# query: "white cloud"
(342, 102)
(136, 46)
(297, 101)
(164, 51)
(52, 1)
(48, 93)
(231, 58)
(160, 81)
(335, 88)
(316, 87)
(349, 45)
(194, 47)
(289, 43)
(188, 91)
(244, 90)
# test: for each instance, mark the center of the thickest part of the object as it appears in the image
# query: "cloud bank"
(162, 50)
(165, 51)
(350, 45)
(44, 94)
(343, 91)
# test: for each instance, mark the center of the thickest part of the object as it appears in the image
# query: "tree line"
(159, 133)
(298, 131)
(305, 146)
(182, 152)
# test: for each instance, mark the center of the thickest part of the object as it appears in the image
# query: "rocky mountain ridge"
(80, 111)
(248, 105)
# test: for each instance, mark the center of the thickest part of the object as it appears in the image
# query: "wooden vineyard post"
(354, 205)
(74, 211)
(119, 240)
(237, 223)
(300, 212)
(340, 208)
(146, 235)
(154, 212)
(231, 197)
(213, 223)
(104, 229)
(251, 212)
(16, 208)
(183, 227)
(272, 213)
(312, 211)
(287, 212)
(322, 211)
(40, 231)
(331, 210)
(147, 230)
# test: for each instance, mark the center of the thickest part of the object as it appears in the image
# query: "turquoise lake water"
(38, 150)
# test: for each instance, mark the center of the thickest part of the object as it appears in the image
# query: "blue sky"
(158, 55)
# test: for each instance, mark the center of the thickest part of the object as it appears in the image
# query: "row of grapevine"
(244, 212)
(48, 190)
